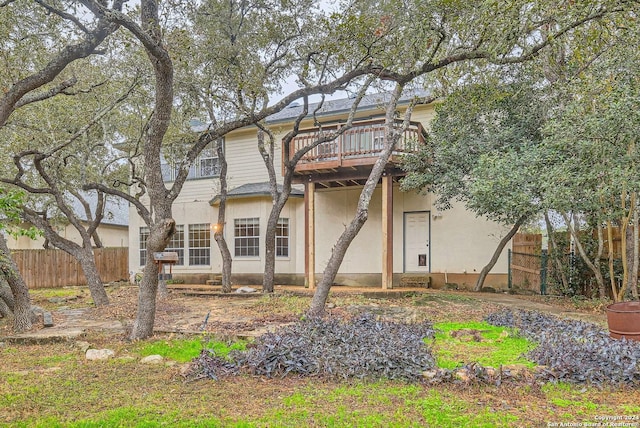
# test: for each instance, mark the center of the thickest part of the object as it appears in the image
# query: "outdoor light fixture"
(216, 227)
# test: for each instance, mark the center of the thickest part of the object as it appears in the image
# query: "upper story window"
(206, 165)
(144, 237)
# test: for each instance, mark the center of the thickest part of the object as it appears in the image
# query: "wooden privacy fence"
(525, 266)
(55, 268)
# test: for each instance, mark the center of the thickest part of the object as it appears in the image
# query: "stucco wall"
(460, 242)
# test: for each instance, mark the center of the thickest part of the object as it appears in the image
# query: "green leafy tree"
(14, 298)
(238, 105)
(595, 170)
(39, 41)
(70, 146)
(480, 151)
(455, 42)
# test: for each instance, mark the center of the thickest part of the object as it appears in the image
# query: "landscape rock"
(152, 359)
(246, 290)
(186, 369)
(47, 319)
(462, 374)
(99, 354)
(433, 375)
(518, 371)
(82, 345)
(37, 309)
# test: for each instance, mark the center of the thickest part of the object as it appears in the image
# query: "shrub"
(363, 347)
(573, 350)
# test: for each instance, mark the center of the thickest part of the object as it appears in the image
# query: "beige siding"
(245, 165)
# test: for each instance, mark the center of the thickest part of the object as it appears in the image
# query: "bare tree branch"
(52, 92)
(63, 15)
(54, 67)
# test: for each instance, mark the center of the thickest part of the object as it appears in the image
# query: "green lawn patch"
(398, 405)
(184, 350)
(457, 344)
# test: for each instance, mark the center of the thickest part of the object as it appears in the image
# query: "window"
(177, 244)
(206, 164)
(199, 244)
(282, 238)
(246, 233)
(144, 237)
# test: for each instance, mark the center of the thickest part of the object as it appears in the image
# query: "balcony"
(355, 151)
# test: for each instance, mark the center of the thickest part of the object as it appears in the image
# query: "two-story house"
(405, 236)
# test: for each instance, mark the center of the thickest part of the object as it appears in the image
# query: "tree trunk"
(84, 256)
(7, 302)
(362, 213)
(279, 200)
(625, 238)
(88, 263)
(159, 237)
(289, 163)
(596, 264)
(162, 225)
(339, 250)
(226, 260)
(554, 252)
(496, 254)
(22, 300)
(629, 256)
(270, 249)
(219, 231)
(593, 265)
(82, 253)
(612, 274)
(633, 278)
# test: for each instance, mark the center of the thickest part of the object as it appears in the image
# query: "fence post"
(543, 272)
(509, 268)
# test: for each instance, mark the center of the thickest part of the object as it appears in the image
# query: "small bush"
(363, 347)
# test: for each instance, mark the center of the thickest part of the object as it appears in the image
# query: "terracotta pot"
(624, 320)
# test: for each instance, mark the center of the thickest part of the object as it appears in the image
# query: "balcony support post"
(309, 236)
(387, 231)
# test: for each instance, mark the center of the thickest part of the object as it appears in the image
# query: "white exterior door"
(416, 242)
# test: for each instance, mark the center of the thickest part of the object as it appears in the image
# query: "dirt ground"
(195, 309)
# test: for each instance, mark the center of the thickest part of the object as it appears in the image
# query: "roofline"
(216, 200)
(360, 109)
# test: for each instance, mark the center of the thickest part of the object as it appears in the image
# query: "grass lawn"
(54, 385)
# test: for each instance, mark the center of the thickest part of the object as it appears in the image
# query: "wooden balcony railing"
(357, 146)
